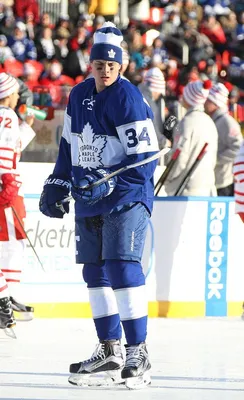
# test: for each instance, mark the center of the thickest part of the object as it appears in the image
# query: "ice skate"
(7, 321)
(102, 369)
(23, 312)
(137, 366)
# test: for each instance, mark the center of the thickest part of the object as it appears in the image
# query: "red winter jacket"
(23, 7)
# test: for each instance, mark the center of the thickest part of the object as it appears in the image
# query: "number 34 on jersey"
(138, 137)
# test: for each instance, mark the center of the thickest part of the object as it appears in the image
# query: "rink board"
(193, 258)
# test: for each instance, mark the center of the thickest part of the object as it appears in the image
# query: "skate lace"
(134, 356)
(98, 353)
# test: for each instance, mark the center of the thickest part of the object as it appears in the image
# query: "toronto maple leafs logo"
(111, 53)
(90, 148)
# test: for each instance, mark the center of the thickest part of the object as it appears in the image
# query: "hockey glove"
(54, 191)
(10, 189)
(169, 125)
(96, 193)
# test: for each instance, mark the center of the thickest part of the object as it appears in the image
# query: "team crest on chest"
(89, 103)
(90, 148)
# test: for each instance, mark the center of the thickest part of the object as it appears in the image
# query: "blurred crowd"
(187, 40)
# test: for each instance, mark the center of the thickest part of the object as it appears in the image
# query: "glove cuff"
(111, 183)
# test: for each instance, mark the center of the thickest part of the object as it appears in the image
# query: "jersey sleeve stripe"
(5, 168)
(6, 158)
(6, 149)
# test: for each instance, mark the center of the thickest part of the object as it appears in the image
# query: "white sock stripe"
(132, 302)
(103, 302)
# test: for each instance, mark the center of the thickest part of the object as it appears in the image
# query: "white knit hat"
(219, 95)
(8, 85)
(154, 79)
(196, 93)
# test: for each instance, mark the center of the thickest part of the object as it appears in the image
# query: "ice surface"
(192, 359)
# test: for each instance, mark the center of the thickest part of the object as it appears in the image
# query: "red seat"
(13, 67)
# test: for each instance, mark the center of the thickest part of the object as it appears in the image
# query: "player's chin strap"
(120, 171)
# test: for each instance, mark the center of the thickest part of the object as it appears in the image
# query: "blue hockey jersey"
(108, 130)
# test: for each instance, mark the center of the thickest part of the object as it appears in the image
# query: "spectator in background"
(98, 22)
(214, 31)
(190, 8)
(135, 44)
(139, 10)
(7, 25)
(23, 7)
(153, 90)
(229, 138)
(229, 24)
(236, 109)
(30, 26)
(86, 22)
(23, 48)
(104, 7)
(172, 12)
(132, 73)
(45, 47)
(217, 7)
(210, 70)
(240, 26)
(171, 77)
(160, 49)
(171, 25)
(79, 38)
(73, 13)
(45, 22)
(5, 51)
(78, 59)
(194, 130)
(61, 43)
(156, 61)
(62, 25)
(30, 77)
(200, 46)
(25, 95)
(54, 80)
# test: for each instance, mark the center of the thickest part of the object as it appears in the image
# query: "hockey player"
(13, 139)
(108, 125)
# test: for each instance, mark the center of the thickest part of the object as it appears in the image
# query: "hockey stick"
(31, 245)
(186, 179)
(118, 172)
(169, 125)
(166, 172)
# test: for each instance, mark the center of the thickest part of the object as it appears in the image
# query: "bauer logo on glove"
(88, 192)
(54, 181)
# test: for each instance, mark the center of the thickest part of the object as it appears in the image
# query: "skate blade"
(138, 382)
(106, 379)
(10, 333)
(23, 316)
